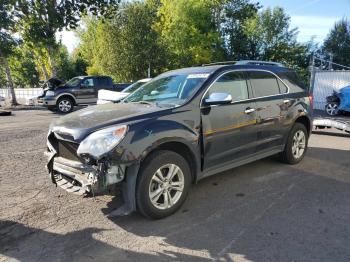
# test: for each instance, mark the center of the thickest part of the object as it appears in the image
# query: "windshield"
(172, 90)
(133, 87)
(74, 81)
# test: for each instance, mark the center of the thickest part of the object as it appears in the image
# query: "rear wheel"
(163, 184)
(296, 145)
(65, 105)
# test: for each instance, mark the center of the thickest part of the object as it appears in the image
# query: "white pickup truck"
(107, 96)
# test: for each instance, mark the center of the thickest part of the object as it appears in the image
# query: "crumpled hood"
(83, 122)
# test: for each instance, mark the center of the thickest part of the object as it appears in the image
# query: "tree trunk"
(52, 62)
(9, 80)
(46, 74)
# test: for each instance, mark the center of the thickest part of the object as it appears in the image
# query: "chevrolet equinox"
(178, 128)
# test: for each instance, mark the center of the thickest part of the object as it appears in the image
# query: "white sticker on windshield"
(197, 76)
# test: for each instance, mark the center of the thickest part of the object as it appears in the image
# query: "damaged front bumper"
(80, 178)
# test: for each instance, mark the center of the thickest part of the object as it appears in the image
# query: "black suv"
(178, 128)
(78, 90)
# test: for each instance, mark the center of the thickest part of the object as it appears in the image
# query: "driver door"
(229, 130)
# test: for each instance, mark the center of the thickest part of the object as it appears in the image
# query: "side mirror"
(218, 99)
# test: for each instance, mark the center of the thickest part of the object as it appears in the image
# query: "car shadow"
(266, 211)
(24, 243)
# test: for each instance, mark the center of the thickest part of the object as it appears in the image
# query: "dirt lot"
(266, 211)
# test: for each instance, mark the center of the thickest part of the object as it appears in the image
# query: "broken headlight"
(102, 141)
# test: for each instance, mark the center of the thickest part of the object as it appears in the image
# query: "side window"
(264, 83)
(103, 82)
(233, 83)
(88, 82)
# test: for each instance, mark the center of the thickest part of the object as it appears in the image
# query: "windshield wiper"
(144, 102)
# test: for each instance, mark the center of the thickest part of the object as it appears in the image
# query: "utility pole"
(331, 61)
(149, 70)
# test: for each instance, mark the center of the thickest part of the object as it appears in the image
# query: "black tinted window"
(264, 83)
(233, 83)
(103, 81)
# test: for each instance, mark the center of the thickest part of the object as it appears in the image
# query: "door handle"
(286, 101)
(249, 110)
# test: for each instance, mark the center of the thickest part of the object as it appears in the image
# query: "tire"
(294, 153)
(332, 109)
(149, 183)
(65, 105)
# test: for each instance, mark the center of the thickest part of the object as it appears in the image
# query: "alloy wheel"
(65, 106)
(299, 144)
(332, 109)
(166, 186)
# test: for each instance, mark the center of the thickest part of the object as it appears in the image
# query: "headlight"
(50, 93)
(102, 141)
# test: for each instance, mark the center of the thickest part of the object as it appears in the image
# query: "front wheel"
(332, 109)
(163, 183)
(296, 145)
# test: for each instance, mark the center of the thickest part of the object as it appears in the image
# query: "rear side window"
(103, 81)
(264, 83)
(233, 83)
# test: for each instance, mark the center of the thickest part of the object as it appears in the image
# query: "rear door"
(229, 130)
(87, 91)
(271, 107)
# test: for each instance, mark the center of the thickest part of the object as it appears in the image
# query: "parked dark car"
(78, 90)
(178, 128)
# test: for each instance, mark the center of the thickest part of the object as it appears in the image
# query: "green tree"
(41, 19)
(23, 67)
(7, 42)
(188, 29)
(337, 42)
(125, 46)
(271, 38)
(235, 13)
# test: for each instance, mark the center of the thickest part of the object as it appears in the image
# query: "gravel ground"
(265, 211)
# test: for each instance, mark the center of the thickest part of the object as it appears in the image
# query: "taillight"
(311, 100)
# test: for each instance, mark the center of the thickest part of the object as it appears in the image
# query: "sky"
(313, 18)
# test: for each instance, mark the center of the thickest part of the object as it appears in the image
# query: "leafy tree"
(235, 13)
(7, 42)
(270, 38)
(23, 67)
(188, 29)
(337, 42)
(125, 46)
(41, 19)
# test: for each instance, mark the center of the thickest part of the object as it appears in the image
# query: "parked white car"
(107, 96)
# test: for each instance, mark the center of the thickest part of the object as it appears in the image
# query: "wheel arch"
(305, 121)
(180, 148)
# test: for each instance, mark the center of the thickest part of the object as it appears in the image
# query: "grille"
(68, 150)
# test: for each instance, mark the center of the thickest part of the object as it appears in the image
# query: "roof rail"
(246, 62)
(221, 63)
(258, 62)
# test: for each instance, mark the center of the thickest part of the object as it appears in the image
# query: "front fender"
(146, 136)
